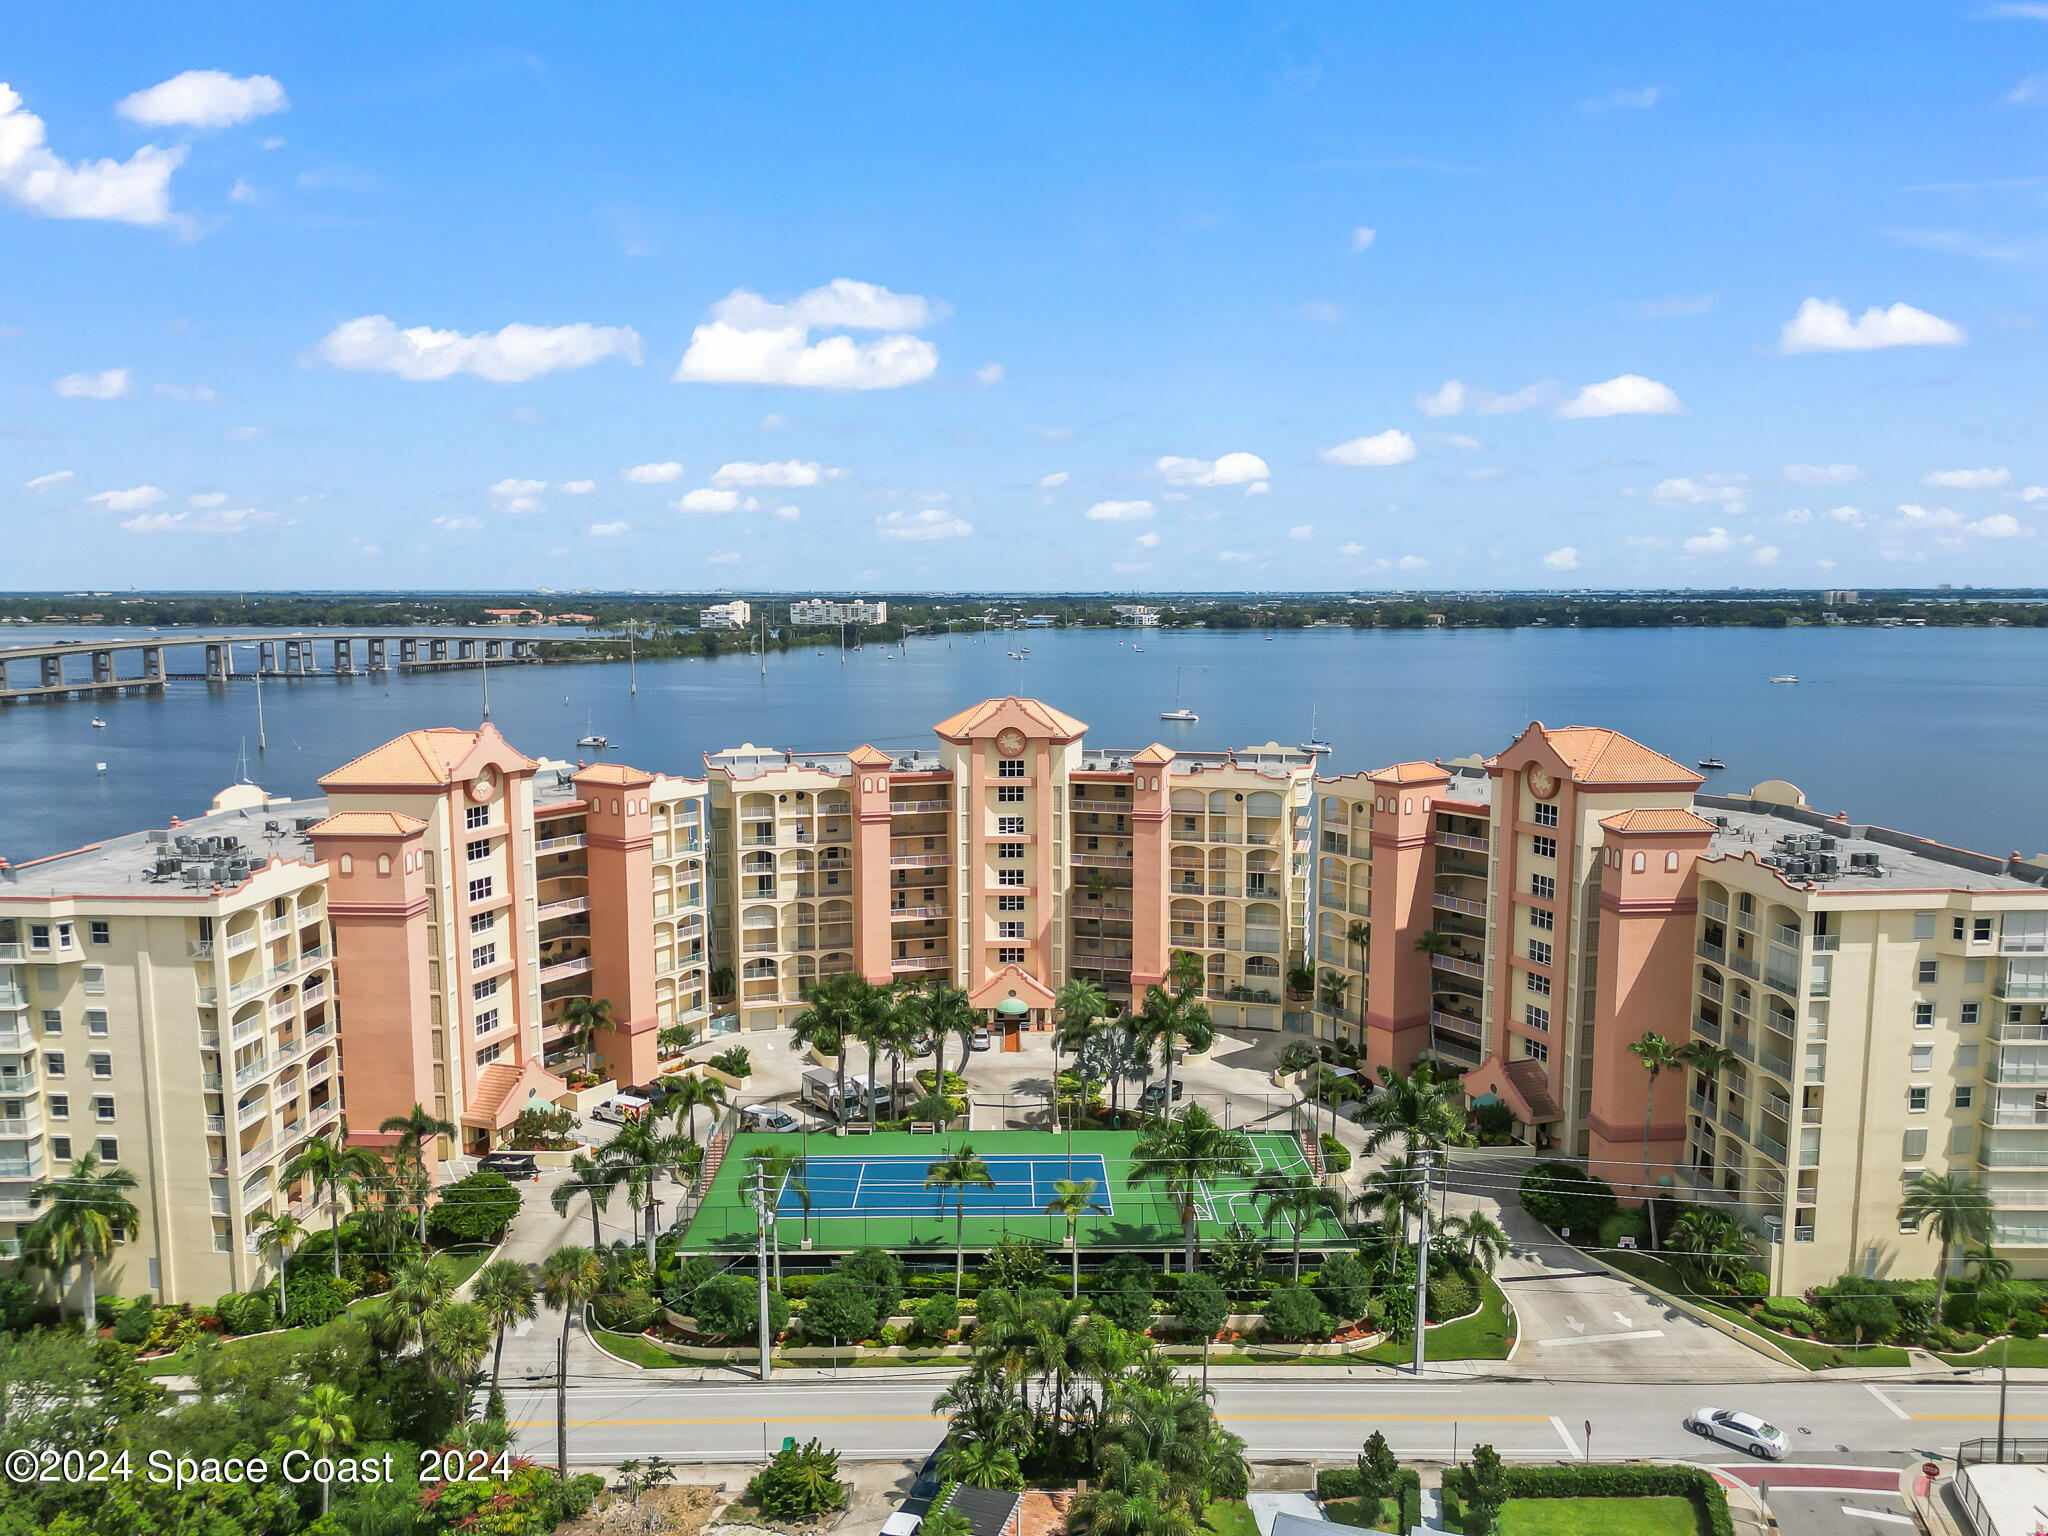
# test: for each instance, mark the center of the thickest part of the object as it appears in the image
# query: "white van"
(821, 1088)
(768, 1117)
(620, 1108)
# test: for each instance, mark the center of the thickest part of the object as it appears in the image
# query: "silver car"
(1744, 1431)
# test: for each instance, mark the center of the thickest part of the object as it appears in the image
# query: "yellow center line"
(1986, 1418)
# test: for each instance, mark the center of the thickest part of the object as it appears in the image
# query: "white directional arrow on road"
(1575, 1325)
(1622, 1318)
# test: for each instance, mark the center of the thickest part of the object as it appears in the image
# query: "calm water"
(1942, 732)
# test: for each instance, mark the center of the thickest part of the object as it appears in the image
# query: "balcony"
(921, 963)
(1712, 952)
(249, 1114)
(564, 908)
(566, 841)
(1717, 910)
(1742, 1046)
(281, 1009)
(1457, 1023)
(2020, 986)
(1771, 1062)
(12, 951)
(1461, 841)
(18, 1083)
(1826, 943)
(918, 914)
(1098, 807)
(921, 807)
(276, 927)
(320, 1071)
(1990, 1157)
(2019, 1032)
(255, 1069)
(29, 1124)
(1744, 965)
(1999, 1069)
(1730, 1120)
(2018, 1116)
(577, 965)
(1458, 966)
(1771, 1147)
(1702, 1106)
(1097, 860)
(922, 860)
(1705, 1028)
(12, 1209)
(255, 1157)
(241, 939)
(12, 993)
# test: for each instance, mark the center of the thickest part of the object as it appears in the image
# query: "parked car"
(620, 1108)
(516, 1166)
(982, 1039)
(656, 1093)
(921, 1043)
(1744, 1431)
(1154, 1096)
(768, 1117)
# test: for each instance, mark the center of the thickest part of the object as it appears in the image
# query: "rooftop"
(1903, 862)
(1601, 756)
(155, 863)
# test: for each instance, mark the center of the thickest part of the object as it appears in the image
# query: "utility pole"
(759, 1180)
(1427, 1159)
(632, 668)
(562, 1407)
(485, 663)
(261, 745)
(2004, 1358)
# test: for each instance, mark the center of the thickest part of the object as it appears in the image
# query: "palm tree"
(1336, 986)
(1417, 1108)
(83, 1216)
(322, 1425)
(692, 1093)
(1430, 942)
(454, 1338)
(1358, 935)
(1073, 1199)
(333, 1167)
(1484, 1240)
(584, 1017)
(1712, 1246)
(504, 1289)
(637, 1157)
(838, 1005)
(589, 1178)
(947, 1012)
(409, 1152)
(1298, 1197)
(418, 1287)
(1189, 1155)
(958, 1171)
(1955, 1206)
(1655, 1053)
(1175, 1016)
(1991, 1268)
(1075, 1011)
(569, 1278)
(1061, 1345)
(280, 1230)
(1392, 1193)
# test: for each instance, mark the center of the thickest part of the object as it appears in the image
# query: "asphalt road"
(1325, 1416)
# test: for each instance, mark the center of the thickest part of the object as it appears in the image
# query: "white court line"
(1895, 1408)
(860, 1172)
(1571, 1446)
(1879, 1514)
(1600, 1338)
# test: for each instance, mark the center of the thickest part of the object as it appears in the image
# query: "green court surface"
(866, 1190)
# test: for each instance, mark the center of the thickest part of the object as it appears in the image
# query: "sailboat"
(1315, 746)
(590, 738)
(98, 724)
(1178, 714)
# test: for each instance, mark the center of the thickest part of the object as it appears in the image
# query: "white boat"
(1789, 677)
(1315, 746)
(1137, 650)
(98, 724)
(1177, 714)
(591, 738)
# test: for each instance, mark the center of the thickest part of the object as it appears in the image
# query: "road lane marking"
(1977, 1418)
(1385, 1418)
(1601, 1338)
(1895, 1408)
(1879, 1514)
(860, 1418)
(1571, 1446)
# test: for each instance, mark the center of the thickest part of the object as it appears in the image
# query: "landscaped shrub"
(314, 1300)
(1123, 1292)
(736, 1062)
(1790, 1314)
(247, 1312)
(1565, 1196)
(1336, 1156)
(840, 1309)
(727, 1307)
(2027, 1326)
(580, 1494)
(1495, 1123)
(936, 1318)
(1854, 1303)
(1344, 1286)
(1292, 1312)
(477, 1209)
(1966, 1343)
(626, 1311)
(1751, 1284)
(679, 1287)
(133, 1326)
(799, 1483)
(1611, 1482)
(881, 1273)
(1017, 1265)
(1335, 1483)
(1450, 1296)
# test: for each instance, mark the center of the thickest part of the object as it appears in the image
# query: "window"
(1540, 985)
(110, 1152)
(1980, 930)
(1539, 951)
(60, 1106)
(479, 849)
(103, 1106)
(1010, 768)
(1009, 877)
(53, 1063)
(1541, 920)
(1915, 1146)
(102, 1065)
(1011, 850)
(1535, 1050)
(1923, 1015)
(60, 1148)
(480, 890)
(53, 1021)
(38, 935)
(63, 935)
(102, 932)
(1964, 1094)
(1966, 1059)
(1543, 887)
(1969, 1018)
(482, 922)
(1009, 930)
(1546, 813)
(1010, 826)
(96, 1022)
(487, 1021)
(1958, 926)
(1535, 1017)
(1962, 1140)
(1009, 957)
(94, 978)
(476, 816)
(1929, 973)
(1916, 1099)
(1923, 925)
(488, 987)
(1923, 1058)
(490, 1053)
(1009, 794)
(1005, 903)
(1543, 847)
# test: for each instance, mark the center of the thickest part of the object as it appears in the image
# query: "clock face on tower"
(1541, 784)
(1010, 742)
(480, 789)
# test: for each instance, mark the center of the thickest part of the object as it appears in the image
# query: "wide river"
(1943, 732)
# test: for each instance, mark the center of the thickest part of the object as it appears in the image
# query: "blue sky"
(1155, 298)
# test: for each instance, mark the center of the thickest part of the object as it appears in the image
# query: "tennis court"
(853, 1191)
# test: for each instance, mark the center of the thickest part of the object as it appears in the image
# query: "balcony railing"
(575, 966)
(918, 807)
(12, 951)
(1460, 840)
(1458, 966)
(1714, 952)
(21, 1082)
(566, 840)
(1706, 1028)
(919, 914)
(1770, 1061)
(254, 1157)
(567, 907)
(1770, 1146)
(920, 860)
(1097, 860)
(1457, 1023)
(920, 963)
(1742, 1046)
(2000, 1070)
(1718, 910)
(1098, 806)
(241, 939)
(254, 1070)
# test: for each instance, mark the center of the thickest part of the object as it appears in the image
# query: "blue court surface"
(894, 1186)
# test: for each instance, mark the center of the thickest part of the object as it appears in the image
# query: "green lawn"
(1669, 1516)
(1814, 1356)
(1139, 1216)
(1482, 1336)
(634, 1349)
(1230, 1517)
(1378, 1515)
(2025, 1352)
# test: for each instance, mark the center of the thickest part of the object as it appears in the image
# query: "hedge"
(1342, 1483)
(1598, 1482)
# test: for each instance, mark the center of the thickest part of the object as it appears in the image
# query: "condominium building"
(820, 610)
(1524, 918)
(737, 614)
(1006, 859)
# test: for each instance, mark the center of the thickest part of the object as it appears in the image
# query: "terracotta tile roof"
(367, 824)
(866, 756)
(613, 773)
(1601, 756)
(1656, 819)
(427, 758)
(1532, 1082)
(1154, 754)
(1050, 721)
(1410, 773)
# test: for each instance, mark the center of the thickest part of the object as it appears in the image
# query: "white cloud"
(1822, 474)
(1392, 446)
(704, 499)
(244, 434)
(789, 514)
(990, 374)
(1321, 312)
(1848, 516)
(2034, 493)
(1823, 325)
(132, 191)
(206, 500)
(1053, 481)
(608, 530)
(1764, 554)
(1638, 99)
(1363, 237)
(373, 344)
(1563, 559)
(1351, 551)
(1231, 469)
(518, 496)
(1236, 556)
(1119, 512)
(127, 501)
(2031, 88)
(774, 421)
(111, 385)
(459, 524)
(230, 520)
(1411, 563)
(1149, 539)
(1968, 479)
(723, 557)
(1797, 515)
(1130, 567)
(1629, 394)
(54, 478)
(1930, 517)
(2017, 10)
(931, 523)
(204, 98)
(2000, 525)
(1730, 491)
(1456, 441)
(577, 487)
(191, 394)
(245, 191)
(752, 341)
(1453, 396)
(1448, 400)
(789, 474)
(653, 474)
(1302, 531)
(1715, 541)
